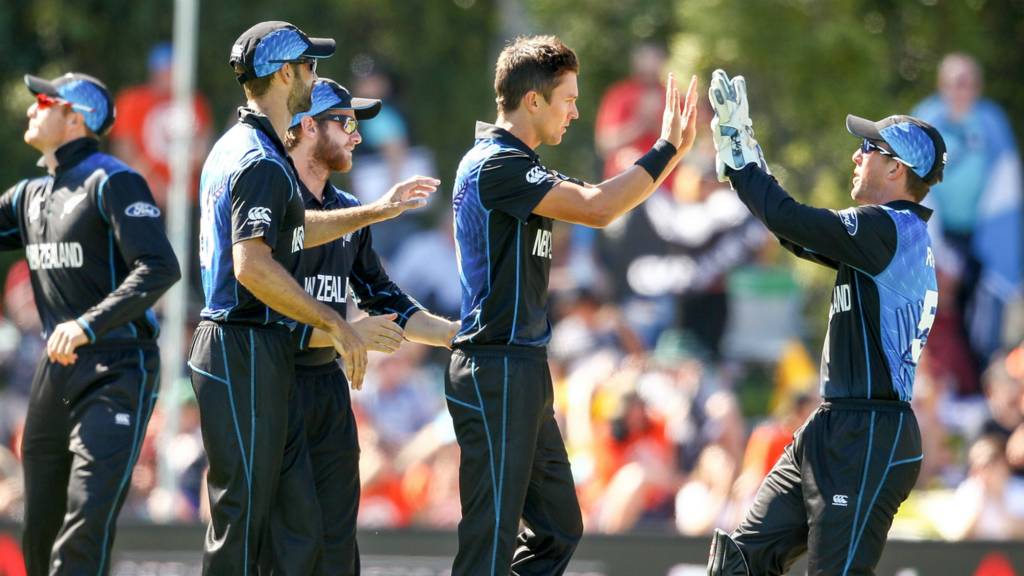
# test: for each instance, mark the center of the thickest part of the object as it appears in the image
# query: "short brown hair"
(294, 134)
(256, 87)
(531, 63)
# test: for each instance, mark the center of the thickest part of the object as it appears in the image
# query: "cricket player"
(253, 228)
(321, 142)
(514, 464)
(99, 259)
(837, 486)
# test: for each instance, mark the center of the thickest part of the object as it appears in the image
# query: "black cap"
(85, 94)
(912, 140)
(328, 94)
(267, 46)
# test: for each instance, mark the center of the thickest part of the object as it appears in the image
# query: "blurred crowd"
(681, 362)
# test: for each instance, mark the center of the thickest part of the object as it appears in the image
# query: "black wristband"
(657, 158)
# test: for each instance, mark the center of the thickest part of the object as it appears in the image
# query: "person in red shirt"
(145, 124)
(628, 116)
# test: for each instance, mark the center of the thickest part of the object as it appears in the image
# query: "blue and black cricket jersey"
(94, 242)
(503, 249)
(248, 189)
(885, 295)
(327, 271)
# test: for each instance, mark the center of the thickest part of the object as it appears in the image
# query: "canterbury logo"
(840, 500)
(536, 175)
(142, 210)
(259, 215)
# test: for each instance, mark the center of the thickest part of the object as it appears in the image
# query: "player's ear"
(531, 100)
(309, 125)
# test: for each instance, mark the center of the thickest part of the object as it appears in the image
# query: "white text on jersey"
(49, 255)
(840, 299)
(542, 244)
(325, 288)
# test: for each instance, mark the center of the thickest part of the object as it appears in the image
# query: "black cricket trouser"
(835, 490)
(83, 433)
(320, 480)
(242, 377)
(513, 464)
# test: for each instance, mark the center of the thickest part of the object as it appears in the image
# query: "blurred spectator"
(386, 155)
(989, 504)
(586, 326)
(425, 265)
(400, 397)
(629, 115)
(146, 125)
(702, 504)
(977, 228)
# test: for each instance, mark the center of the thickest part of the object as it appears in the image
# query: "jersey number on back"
(924, 326)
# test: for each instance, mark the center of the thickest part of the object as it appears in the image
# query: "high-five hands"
(679, 121)
(731, 128)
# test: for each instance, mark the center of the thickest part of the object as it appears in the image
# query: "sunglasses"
(348, 123)
(44, 101)
(867, 147)
(304, 60)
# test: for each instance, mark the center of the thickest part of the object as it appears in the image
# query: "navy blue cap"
(267, 46)
(914, 141)
(85, 94)
(329, 95)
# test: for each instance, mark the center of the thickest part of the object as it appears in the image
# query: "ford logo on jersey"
(849, 219)
(142, 210)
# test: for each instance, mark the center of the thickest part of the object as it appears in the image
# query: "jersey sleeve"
(375, 292)
(127, 204)
(10, 227)
(258, 202)
(863, 237)
(513, 183)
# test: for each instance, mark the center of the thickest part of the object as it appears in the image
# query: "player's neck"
(517, 123)
(275, 109)
(312, 173)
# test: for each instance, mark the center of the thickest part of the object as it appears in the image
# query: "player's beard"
(300, 98)
(330, 154)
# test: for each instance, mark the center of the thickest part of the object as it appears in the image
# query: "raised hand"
(731, 128)
(411, 193)
(679, 121)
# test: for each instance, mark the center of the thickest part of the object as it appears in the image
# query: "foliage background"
(807, 63)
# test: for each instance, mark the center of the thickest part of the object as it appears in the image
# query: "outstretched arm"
(322, 226)
(597, 206)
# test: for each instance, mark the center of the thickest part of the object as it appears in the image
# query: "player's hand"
(66, 337)
(731, 128)
(409, 194)
(352, 351)
(679, 121)
(379, 333)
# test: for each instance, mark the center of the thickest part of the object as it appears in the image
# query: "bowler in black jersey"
(514, 465)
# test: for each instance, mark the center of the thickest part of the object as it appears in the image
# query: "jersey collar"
(330, 196)
(73, 152)
(260, 122)
(922, 212)
(485, 131)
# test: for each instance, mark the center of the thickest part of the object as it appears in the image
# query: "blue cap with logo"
(914, 141)
(267, 46)
(83, 93)
(329, 95)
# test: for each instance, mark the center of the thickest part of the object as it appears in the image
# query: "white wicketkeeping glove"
(731, 128)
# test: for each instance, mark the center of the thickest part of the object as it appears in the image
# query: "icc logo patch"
(849, 219)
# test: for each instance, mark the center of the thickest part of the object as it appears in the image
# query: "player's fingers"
(422, 181)
(691, 97)
(740, 86)
(670, 84)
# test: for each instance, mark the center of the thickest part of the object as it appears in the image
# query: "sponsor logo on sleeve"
(142, 210)
(259, 215)
(849, 219)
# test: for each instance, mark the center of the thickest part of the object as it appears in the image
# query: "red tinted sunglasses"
(44, 101)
